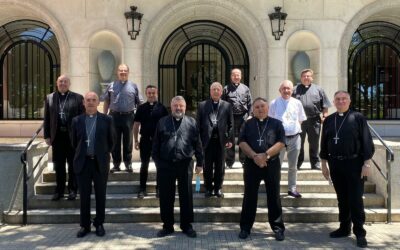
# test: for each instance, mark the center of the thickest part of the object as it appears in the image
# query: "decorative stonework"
(230, 13)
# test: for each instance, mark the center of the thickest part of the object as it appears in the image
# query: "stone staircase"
(317, 205)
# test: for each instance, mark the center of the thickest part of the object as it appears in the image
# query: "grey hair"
(177, 99)
(216, 84)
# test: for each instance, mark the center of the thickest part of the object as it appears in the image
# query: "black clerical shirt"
(260, 136)
(177, 140)
(148, 115)
(350, 137)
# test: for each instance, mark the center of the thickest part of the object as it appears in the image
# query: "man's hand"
(48, 142)
(137, 145)
(228, 145)
(325, 170)
(365, 171)
(260, 160)
(199, 169)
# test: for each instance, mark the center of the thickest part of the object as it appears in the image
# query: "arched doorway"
(197, 54)
(30, 61)
(374, 70)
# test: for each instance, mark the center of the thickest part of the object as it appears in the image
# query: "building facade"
(184, 45)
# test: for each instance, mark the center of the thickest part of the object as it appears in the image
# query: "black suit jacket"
(188, 142)
(225, 122)
(105, 141)
(73, 105)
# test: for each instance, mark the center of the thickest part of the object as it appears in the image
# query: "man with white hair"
(291, 113)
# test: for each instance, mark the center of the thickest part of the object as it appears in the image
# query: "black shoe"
(115, 169)
(82, 232)
(362, 242)
(164, 232)
(190, 233)
(339, 233)
(57, 197)
(279, 235)
(100, 231)
(208, 194)
(128, 168)
(229, 166)
(141, 194)
(243, 234)
(294, 194)
(316, 168)
(219, 193)
(71, 196)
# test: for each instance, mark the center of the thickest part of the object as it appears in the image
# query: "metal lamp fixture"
(277, 22)
(132, 26)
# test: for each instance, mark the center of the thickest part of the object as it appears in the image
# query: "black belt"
(343, 157)
(291, 136)
(91, 157)
(122, 113)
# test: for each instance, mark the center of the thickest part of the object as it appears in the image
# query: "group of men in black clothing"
(85, 137)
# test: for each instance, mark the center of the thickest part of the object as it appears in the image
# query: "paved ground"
(210, 236)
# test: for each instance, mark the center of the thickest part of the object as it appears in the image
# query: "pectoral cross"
(336, 138)
(260, 141)
(88, 142)
(214, 121)
(62, 115)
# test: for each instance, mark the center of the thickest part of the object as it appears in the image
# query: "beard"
(178, 114)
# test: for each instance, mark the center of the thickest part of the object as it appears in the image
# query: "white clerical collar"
(178, 119)
(151, 103)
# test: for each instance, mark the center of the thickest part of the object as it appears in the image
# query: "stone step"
(230, 174)
(204, 214)
(132, 187)
(230, 200)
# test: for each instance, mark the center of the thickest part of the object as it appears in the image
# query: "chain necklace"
(336, 138)
(175, 131)
(214, 119)
(262, 133)
(90, 132)
(62, 113)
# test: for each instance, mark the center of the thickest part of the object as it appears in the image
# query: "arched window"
(30, 61)
(373, 73)
(197, 54)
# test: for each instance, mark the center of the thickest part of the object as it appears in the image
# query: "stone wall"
(11, 174)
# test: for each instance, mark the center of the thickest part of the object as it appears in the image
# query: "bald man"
(60, 107)
(93, 137)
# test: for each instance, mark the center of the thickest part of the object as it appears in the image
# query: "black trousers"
(214, 168)
(168, 173)
(349, 187)
(124, 130)
(253, 175)
(63, 153)
(91, 173)
(230, 152)
(145, 152)
(312, 128)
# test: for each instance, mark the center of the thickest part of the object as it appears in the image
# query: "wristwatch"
(268, 156)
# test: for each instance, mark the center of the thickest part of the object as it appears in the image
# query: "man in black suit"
(215, 121)
(93, 137)
(60, 107)
(175, 142)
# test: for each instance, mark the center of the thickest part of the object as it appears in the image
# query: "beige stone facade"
(321, 28)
